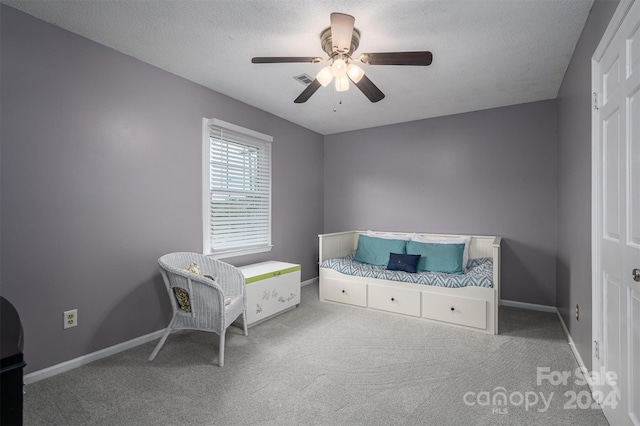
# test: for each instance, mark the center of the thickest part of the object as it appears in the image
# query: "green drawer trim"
(272, 274)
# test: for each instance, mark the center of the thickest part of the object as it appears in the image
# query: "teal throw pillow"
(375, 251)
(438, 257)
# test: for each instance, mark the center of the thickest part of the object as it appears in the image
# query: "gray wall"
(574, 182)
(489, 172)
(101, 175)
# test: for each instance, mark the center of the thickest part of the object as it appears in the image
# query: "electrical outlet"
(577, 312)
(70, 318)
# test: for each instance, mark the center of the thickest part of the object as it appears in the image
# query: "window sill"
(241, 252)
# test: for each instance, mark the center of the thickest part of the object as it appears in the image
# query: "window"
(236, 190)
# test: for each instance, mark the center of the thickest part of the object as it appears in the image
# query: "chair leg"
(221, 349)
(244, 322)
(160, 343)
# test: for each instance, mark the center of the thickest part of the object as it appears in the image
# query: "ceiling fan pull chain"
(334, 104)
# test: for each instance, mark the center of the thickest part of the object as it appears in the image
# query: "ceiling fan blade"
(284, 59)
(398, 58)
(341, 32)
(369, 89)
(306, 93)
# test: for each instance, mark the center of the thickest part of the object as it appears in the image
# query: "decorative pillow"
(464, 239)
(375, 251)
(403, 262)
(193, 268)
(390, 235)
(182, 297)
(438, 257)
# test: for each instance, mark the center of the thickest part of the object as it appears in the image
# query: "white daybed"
(471, 307)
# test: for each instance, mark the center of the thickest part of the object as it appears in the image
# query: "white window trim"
(206, 223)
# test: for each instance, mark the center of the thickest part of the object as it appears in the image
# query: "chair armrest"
(195, 278)
(228, 280)
(227, 276)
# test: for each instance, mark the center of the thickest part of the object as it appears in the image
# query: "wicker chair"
(198, 301)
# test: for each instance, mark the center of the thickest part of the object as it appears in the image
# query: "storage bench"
(272, 288)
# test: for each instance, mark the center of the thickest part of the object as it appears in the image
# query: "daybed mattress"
(479, 273)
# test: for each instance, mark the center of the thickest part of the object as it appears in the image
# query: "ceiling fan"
(339, 41)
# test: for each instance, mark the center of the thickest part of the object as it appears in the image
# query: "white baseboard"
(576, 354)
(86, 359)
(308, 282)
(553, 309)
(530, 306)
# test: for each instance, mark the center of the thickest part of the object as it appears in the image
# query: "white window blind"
(237, 190)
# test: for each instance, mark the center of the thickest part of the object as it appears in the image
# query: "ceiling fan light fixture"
(339, 68)
(342, 83)
(325, 76)
(355, 73)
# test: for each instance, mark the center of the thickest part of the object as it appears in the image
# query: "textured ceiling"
(487, 53)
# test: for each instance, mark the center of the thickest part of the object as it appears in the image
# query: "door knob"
(636, 274)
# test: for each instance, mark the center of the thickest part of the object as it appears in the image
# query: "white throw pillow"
(463, 239)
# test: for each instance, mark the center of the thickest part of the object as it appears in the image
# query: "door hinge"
(596, 349)
(596, 106)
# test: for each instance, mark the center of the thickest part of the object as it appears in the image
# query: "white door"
(616, 301)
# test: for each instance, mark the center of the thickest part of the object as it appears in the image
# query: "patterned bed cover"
(479, 273)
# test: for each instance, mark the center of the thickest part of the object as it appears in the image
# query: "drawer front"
(272, 295)
(344, 292)
(456, 310)
(398, 300)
